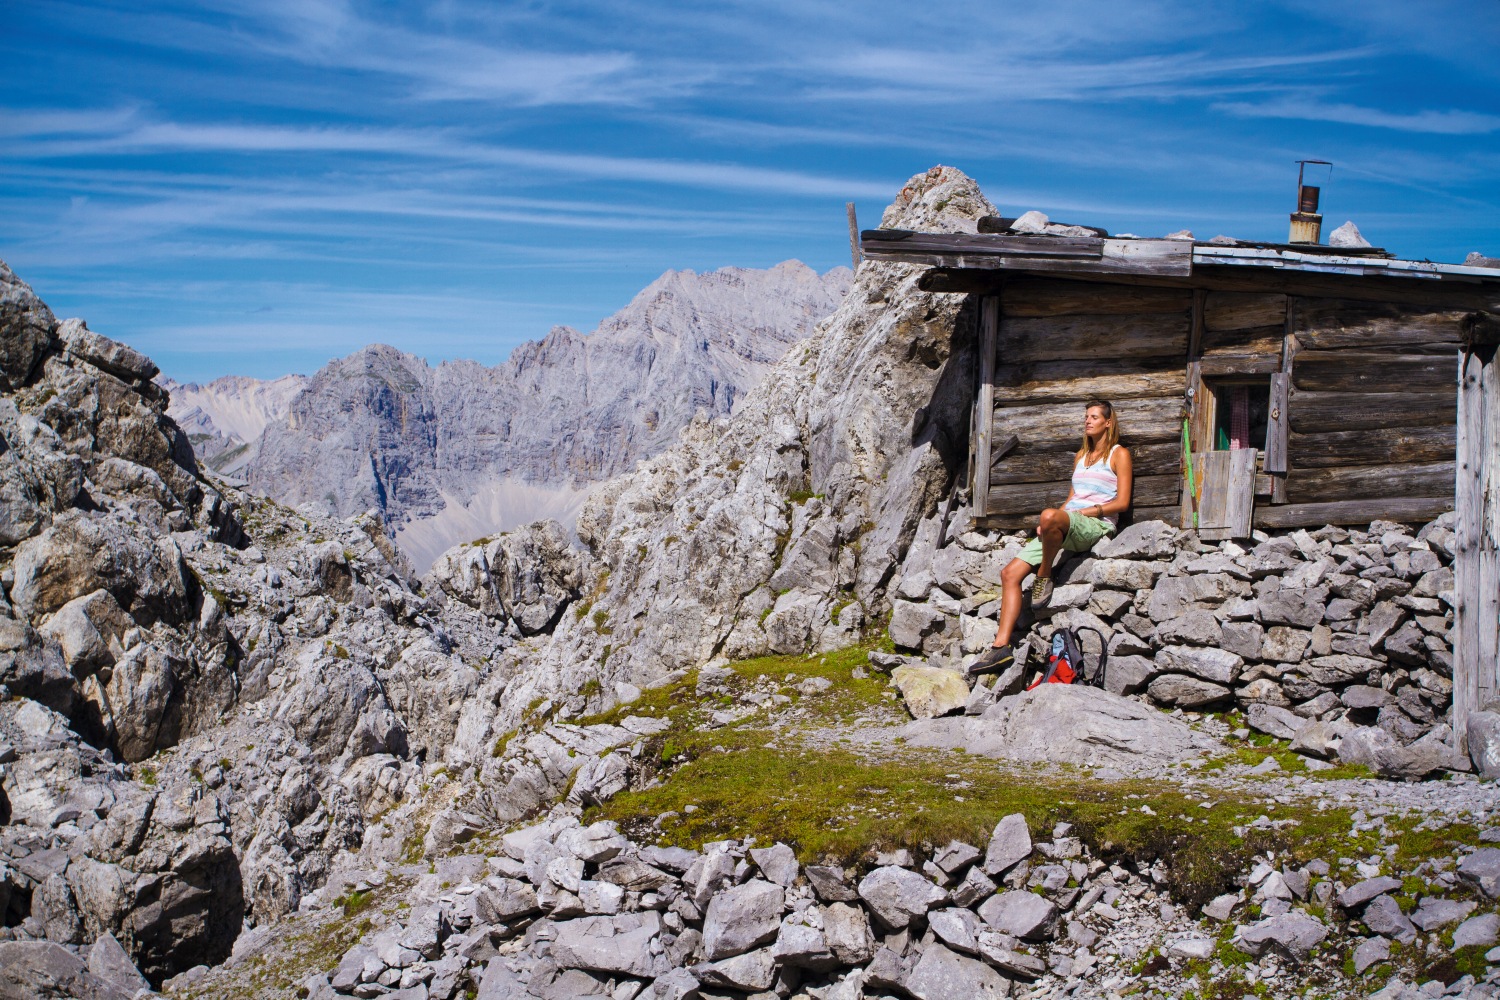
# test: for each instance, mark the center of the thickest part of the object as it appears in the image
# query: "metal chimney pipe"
(1307, 224)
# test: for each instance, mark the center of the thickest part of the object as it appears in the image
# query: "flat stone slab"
(1069, 723)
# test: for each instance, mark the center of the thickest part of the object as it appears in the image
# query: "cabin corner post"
(984, 403)
(1476, 566)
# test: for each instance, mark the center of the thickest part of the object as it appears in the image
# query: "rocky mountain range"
(461, 450)
(719, 749)
(225, 418)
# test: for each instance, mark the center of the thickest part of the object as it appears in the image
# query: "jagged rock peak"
(940, 200)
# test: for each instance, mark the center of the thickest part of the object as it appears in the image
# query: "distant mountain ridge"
(458, 450)
(225, 418)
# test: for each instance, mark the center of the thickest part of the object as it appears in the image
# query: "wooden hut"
(1258, 385)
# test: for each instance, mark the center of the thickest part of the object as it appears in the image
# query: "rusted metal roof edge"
(1331, 264)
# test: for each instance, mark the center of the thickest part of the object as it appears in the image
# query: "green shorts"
(1083, 532)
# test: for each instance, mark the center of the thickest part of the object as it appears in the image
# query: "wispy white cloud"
(433, 61)
(573, 150)
(929, 75)
(1440, 122)
(159, 137)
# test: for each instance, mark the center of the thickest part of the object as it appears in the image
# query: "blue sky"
(256, 187)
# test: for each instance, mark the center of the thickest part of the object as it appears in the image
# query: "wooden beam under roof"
(1084, 255)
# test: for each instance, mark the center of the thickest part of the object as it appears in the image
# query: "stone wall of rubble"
(1337, 639)
(559, 910)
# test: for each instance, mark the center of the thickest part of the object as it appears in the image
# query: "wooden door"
(1226, 492)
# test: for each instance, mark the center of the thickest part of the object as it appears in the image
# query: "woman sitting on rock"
(1102, 480)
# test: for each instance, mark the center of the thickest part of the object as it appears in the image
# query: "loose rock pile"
(562, 910)
(1335, 639)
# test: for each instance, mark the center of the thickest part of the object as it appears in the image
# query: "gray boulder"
(1206, 663)
(1434, 912)
(912, 624)
(27, 330)
(88, 629)
(1021, 914)
(741, 918)
(82, 552)
(1274, 721)
(1128, 674)
(1123, 574)
(778, 863)
(847, 931)
(1321, 739)
(751, 972)
(941, 974)
(897, 896)
(1175, 596)
(1010, 843)
(1187, 692)
(1339, 668)
(957, 928)
(1294, 934)
(1196, 628)
(1482, 870)
(1360, 893)
(107, 355)
(677, 984)
(998, 950)
(829, 883)
(30, 970)
(1140, 540)
(1378, 750)
(930, 692)
(1371, 951)
(139, 691)
(621, 944)
(1283, 644)
(33, 668)
(109, 963)
(1482, 930)
(1302, 607)
(1383, 916)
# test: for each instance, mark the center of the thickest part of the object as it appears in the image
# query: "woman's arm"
(1124, 470)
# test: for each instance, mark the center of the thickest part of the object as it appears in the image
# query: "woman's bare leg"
(1010, 599)
(1052, 530)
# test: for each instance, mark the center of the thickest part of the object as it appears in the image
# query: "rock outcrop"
(191, 725)
(778, 528)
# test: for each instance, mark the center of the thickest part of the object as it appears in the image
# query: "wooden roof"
(1102, 256)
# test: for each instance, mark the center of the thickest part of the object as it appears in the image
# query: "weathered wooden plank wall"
(1371, 410)
(1363, 390)
(1063, 343)
(1476, 567)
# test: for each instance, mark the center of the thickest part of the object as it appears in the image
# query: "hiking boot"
(995, 660)
(1041, 591)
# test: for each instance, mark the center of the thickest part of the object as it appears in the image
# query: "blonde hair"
(1108, 439)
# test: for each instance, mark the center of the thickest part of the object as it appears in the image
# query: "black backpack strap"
(1096, 678)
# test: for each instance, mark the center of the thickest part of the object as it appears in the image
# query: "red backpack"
(1065, 660)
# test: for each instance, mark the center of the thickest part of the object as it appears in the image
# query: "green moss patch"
(795, 773)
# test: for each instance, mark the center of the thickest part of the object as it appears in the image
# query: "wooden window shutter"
(1228, 492)
(1277, 424)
